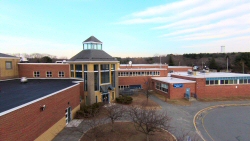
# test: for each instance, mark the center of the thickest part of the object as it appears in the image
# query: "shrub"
(90, 110)
(124, 99)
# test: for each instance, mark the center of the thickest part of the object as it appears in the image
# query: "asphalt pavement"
(181, 119)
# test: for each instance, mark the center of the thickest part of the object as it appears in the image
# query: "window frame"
(10, 66)
(36, 73)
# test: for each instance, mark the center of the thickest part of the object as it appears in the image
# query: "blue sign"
(178, 85)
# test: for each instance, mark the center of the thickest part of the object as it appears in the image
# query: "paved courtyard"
(182, 119)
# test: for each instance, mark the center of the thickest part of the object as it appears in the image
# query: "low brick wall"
(29, 122)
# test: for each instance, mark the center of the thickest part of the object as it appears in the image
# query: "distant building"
(8, 66)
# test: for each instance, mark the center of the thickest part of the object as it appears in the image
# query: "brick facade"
(217, 91)
(138, 80)
(179, 69)
(28, 122)
(27, 69)
(175, 93)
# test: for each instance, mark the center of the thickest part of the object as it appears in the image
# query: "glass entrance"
(105, 97)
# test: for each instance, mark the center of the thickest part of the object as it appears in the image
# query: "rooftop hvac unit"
(190, 72)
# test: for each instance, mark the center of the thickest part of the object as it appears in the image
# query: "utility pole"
(160, 61)
(243, 66)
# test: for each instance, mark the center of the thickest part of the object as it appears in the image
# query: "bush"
(124, 99)
(90, 110)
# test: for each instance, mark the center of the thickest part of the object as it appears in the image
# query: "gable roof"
(7, 56)
(92, 39)
(92, 55)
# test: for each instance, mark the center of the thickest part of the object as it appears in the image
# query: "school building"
(42, 107)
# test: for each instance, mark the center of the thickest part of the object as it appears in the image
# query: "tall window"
(8, 65)
(60, 74)
(48, 74)
(78, 68)
(36, 74)
(96, 77)
(72, 70)
(105, 73)
(85, 77)
(105, 77)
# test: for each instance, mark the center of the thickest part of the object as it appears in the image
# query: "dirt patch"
(124, 131)
(141, 100)
(182, 102)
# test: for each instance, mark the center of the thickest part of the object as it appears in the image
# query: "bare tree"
(114, 112)
(95, 130)
(149, 121)
(147, 87)
(187, 135)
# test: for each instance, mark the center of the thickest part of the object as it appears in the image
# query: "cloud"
(31, 45)
(238, 10)
(162, 9)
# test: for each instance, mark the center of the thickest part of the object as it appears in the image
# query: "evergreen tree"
(213, 64)
(170, 62)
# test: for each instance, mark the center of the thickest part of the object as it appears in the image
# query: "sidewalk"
(181, 119)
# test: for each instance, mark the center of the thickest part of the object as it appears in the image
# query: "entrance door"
(68, 115)
(188, 93)
(105, 97)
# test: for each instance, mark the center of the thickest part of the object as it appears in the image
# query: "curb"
(210, 108)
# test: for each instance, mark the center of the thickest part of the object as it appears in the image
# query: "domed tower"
(98, 70)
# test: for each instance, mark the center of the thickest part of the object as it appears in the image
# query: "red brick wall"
(138, 80)
(159, 91)
(144, 66)
(217, 91)
(178, 93)
(133, 80)
(29, 122)
(175, 93)
(183, 69)
(26, 70)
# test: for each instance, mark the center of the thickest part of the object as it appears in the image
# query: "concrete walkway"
(181, 118)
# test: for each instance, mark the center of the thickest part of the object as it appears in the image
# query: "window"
(36, 74)
(113, 95)
(105, 67)
(8, 65)
(105, 77)
(112, 66)
(61, 74)
(48, 74)
(207, 82)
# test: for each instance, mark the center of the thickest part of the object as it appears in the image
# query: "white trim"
(92, 62)
(11, 57)
(42, 64)
(34, 101)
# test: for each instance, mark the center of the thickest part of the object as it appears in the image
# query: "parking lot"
(227, 124)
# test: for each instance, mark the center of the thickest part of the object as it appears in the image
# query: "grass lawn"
(124, 131)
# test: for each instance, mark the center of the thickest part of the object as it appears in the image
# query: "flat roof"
(140, 69)
(211, 74)
(179, 67)
(144, 64)
(14, 94)
(172, 80)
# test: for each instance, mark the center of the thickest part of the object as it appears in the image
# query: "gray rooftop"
(14, 94)
(92, 39)
(92, 55)
(6, 56)
(172, 80)
(211, 74)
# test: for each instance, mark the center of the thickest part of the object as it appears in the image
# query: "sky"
(127, 28)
